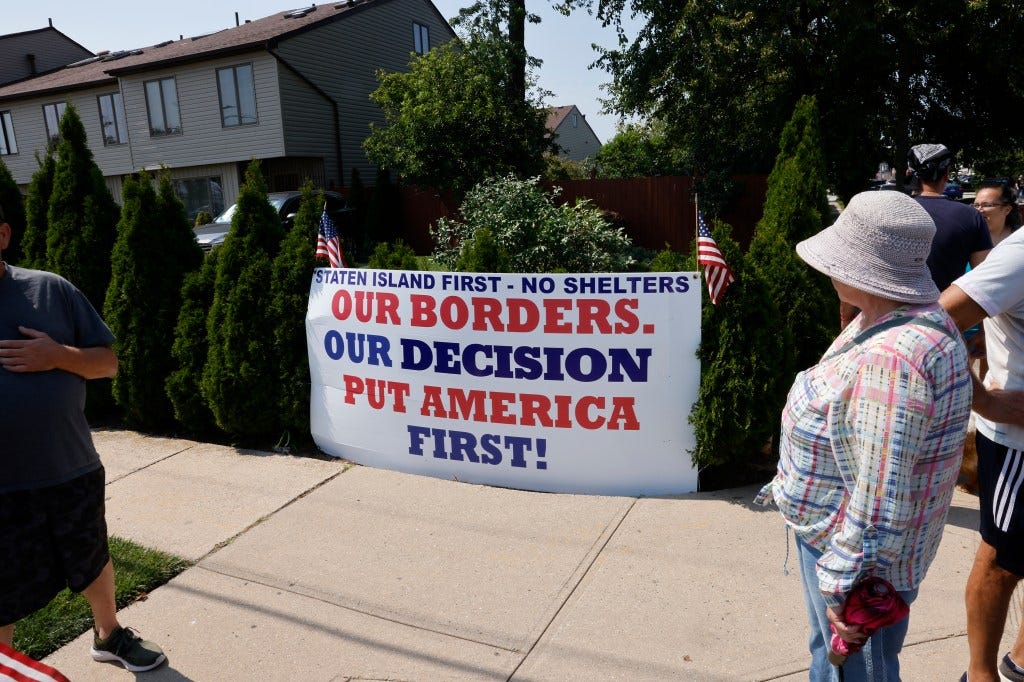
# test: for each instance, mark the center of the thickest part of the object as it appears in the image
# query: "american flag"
(328, 244)
(17, 666)
(716, 270)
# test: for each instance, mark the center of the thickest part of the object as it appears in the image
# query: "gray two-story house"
(291, 89)
(575, 138)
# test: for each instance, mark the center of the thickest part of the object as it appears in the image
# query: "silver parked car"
(286, 204)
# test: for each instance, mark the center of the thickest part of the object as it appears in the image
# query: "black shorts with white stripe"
(1001, 495)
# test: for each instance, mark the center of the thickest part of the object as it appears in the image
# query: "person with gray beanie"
(872, 436)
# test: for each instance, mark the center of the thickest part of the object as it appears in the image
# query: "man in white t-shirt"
(994, 292)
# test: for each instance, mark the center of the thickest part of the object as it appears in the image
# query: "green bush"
(396, 255)
(289, 292)
(184, 385)
(524, 222)
(742, 339)
(202, 218)
(239, 379)
(37, 203)
(144, 296)
(668, 260)
(796, 207)
(82, 215)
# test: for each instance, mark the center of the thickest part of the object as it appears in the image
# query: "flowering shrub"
(511, 225)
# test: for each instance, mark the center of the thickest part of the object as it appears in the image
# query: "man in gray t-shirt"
(52, 527)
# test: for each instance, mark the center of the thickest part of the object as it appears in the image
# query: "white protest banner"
(577, 383)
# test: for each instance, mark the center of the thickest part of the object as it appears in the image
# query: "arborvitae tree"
(796, 207)
(742, 339)
(396, 255)
(155, 247)
(37, 204)
(289, 288)
(14, 214)
(240, 377)
(190, 349)
(82, 215)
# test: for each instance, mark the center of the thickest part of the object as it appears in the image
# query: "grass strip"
(137, 571)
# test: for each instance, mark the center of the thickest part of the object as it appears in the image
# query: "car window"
(225, 217)
(336, 203)
(291, 206)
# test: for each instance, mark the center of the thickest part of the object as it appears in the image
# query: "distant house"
(30, 53)
(573, 135)
(291, 89)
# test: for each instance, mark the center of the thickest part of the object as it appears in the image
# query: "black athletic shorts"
(1001, 495)
(50, 538)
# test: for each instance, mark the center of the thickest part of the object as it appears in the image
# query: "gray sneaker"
(1009, 671)
(127, 648)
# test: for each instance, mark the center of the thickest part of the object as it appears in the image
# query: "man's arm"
(40, 353)
(995, 404)
(961, 307)
(977, 257)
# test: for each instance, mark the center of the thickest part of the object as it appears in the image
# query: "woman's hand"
(848, 633)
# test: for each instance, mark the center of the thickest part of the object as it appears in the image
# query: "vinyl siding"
(30, 134)
(308, 124)
(577, 143)
(204, 140)
(342, 59)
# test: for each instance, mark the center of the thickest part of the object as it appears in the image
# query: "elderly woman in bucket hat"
(873, 434)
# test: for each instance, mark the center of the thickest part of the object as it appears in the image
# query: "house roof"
(556, 115)
(42, 48)
(262, 33)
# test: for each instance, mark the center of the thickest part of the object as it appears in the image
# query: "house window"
(7, 144)
(200, 194)
(52, 114)
(420, 38)
(112, 121)
(575, 121)
(237, 95)
(162, 105)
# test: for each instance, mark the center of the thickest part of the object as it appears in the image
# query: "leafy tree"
(742, 338)
(82, 214)
(796, 207)
(451, 122)
(14, 214)
(239, 379)
(190, 348)
(37, 204)
(639, 150)
(560, 168)
(289, 292)
(155, 247)
(724, 77)
(533, 233)
(505, 22)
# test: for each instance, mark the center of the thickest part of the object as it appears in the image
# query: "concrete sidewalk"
(318, 570)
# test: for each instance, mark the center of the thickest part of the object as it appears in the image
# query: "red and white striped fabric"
(17, 667)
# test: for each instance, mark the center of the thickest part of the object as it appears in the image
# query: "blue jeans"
(878, 661)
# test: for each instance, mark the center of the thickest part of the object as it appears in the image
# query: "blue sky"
(564, 43)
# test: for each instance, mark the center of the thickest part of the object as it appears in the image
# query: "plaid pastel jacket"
(872, 439)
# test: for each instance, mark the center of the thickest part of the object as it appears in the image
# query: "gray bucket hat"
(879, 244)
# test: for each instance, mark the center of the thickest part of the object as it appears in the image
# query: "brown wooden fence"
(654, 211)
